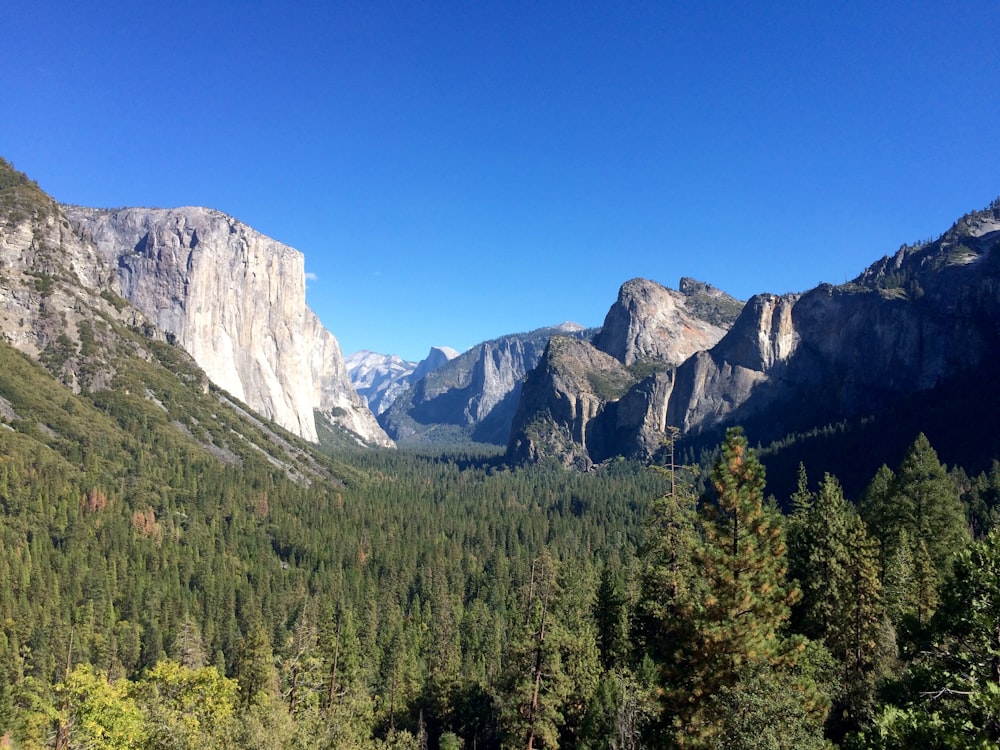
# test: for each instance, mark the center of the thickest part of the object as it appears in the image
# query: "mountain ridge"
(235, 299)
(380, 378)
(473, 396)
(793, 362)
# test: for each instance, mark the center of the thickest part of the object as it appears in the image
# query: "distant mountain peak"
(381, 378)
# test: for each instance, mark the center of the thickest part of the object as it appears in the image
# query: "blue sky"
(456, 171)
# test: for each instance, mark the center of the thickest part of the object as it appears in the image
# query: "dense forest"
(154, 594)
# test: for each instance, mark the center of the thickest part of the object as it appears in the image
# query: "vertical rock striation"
(912, 325)
(235, 300)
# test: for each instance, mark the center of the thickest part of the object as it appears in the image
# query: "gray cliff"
(791, 363)
(235, 300)
(562, 409)
(472, 397)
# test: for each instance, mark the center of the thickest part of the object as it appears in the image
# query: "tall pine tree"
(736, 628)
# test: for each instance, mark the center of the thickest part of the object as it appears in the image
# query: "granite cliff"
(235, 300)
(473, 396)
(61, 307)
(908, 326)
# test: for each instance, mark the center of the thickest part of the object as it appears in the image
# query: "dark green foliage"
(837, 566)
(952, 690)
(921, 524)
(135, 528)
(727, 654)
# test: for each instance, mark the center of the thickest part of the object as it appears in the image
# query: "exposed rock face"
(790, 363)
(436, 357)
(333, 394)
(647, 332)
(651, 322)
(473, 396)
(380, 378)
(51, 282)
(562, 401)
(710, 384)
(906, 324)
(235, 300)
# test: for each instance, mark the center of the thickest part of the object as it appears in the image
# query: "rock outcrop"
(472, 397)
(235, 300)
(562, 406)
(908, 325)
(57, 304)
(651, 322)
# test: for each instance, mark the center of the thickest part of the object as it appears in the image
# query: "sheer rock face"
(651, 322)
(473, 396)
(235, 300)
(796, 362)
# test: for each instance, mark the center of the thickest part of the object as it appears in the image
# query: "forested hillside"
(154, 596)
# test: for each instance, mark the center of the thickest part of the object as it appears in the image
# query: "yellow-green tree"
(187, 707)
(98, 713)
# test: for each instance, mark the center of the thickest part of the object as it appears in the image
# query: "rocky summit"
(910, 324)
(231, 297)
(235, 300)
(649, 322)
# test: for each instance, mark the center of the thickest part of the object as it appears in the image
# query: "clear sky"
(455, 171)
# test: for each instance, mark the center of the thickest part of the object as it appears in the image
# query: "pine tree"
(736, 628)
(671, 585)
(536, 685)
(877, 509)
(930, 502)
(258, 681)
(867, 645)
(611, 618)
(822, 567)
(953, 698)
(922, 500)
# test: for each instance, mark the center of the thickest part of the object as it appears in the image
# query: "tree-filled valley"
(156, 594)
(178, 572)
